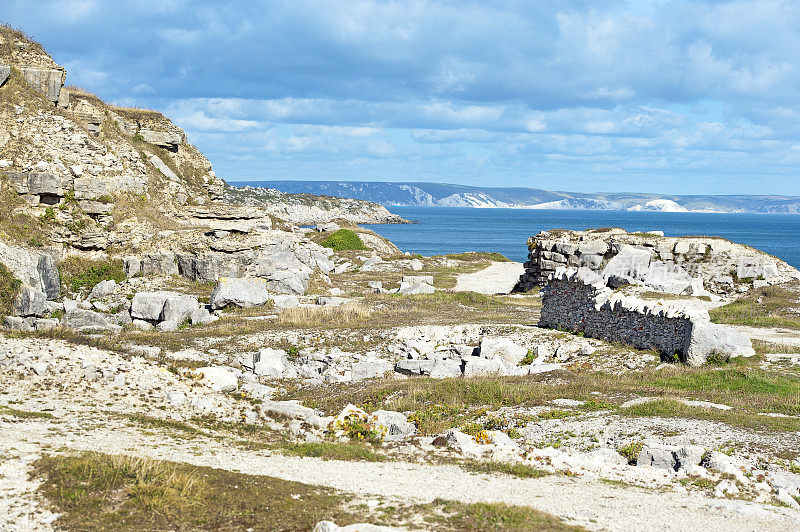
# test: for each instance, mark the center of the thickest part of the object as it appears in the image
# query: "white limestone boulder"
(241, 292)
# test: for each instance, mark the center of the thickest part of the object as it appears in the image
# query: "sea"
(439, 230)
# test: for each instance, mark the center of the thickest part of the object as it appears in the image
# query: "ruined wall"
(579, 301)
(571, 302)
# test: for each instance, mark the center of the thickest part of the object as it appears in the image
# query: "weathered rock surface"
(243, 292)
(37, 270)
(30, 302)
(685, 265)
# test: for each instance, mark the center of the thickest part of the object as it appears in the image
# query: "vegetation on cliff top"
(344, 239)
(8, 290)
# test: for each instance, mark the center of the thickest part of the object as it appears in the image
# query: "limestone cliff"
(79, 175)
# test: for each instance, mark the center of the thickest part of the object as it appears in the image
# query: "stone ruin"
(697, 266)
(578, 301)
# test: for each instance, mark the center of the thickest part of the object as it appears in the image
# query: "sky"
(637, 96)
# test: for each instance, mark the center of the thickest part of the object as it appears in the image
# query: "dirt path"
(578, 500)
(773, 335)
(498, 278)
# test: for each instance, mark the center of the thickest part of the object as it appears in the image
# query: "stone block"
(5, 71)
(30, 302)
(242, 292)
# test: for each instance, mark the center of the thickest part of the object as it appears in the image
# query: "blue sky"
(646, 96)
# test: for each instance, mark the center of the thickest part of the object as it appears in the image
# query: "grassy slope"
(102, 492)
(770, 306)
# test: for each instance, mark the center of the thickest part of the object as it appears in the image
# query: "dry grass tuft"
(344, 316)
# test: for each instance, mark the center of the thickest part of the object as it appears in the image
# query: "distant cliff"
(446, 195)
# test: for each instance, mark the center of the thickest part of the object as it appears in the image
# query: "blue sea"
(440, 231)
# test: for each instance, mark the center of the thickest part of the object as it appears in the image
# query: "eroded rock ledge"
(683, 265)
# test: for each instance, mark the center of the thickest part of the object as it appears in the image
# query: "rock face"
(686, 265)
(30, 302)
(579, 301)
(5, 71)
(37, 270)
(49, 81)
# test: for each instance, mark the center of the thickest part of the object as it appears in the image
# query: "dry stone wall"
(579, 301)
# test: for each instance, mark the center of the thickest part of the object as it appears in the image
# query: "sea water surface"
(441, 230)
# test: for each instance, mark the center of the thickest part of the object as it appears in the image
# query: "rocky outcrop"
(249, 292)
(35, 269)
(227, 218)
(685, 265)
(5, 71)
(50, 81)
(579, 301)
(150, 127)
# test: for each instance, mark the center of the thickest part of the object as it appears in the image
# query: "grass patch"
(769, 306)
(494, 516)
(509, 468)
(110, 343)
(170, 424)
(342, 240)
(95, 491)
(334, 451)
(472, 256)
(442, 404)
(25, 414)
(305, 317)
(102, 492)
(80, 274)
(9, 286)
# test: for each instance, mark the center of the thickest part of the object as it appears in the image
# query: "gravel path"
(768, 334)
(498, 278)
(579, 500)
(20, 509)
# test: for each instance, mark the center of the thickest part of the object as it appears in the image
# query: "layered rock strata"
(684, 265)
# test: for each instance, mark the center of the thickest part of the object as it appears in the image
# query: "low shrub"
(78, 274)
(9, 286)
(358, 428)
(344, 239)
(631, 451)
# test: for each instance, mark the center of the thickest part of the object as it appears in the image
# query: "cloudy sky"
(646, 96)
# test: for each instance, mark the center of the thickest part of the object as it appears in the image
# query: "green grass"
(169, 424)
(24, 414)
(509, 468)
(334, 451)
(9, 286)
(342, 240)
(493, 516)
(80, 274)
(769, 306)
(441, 404)
(102, 492)
(472, 256)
